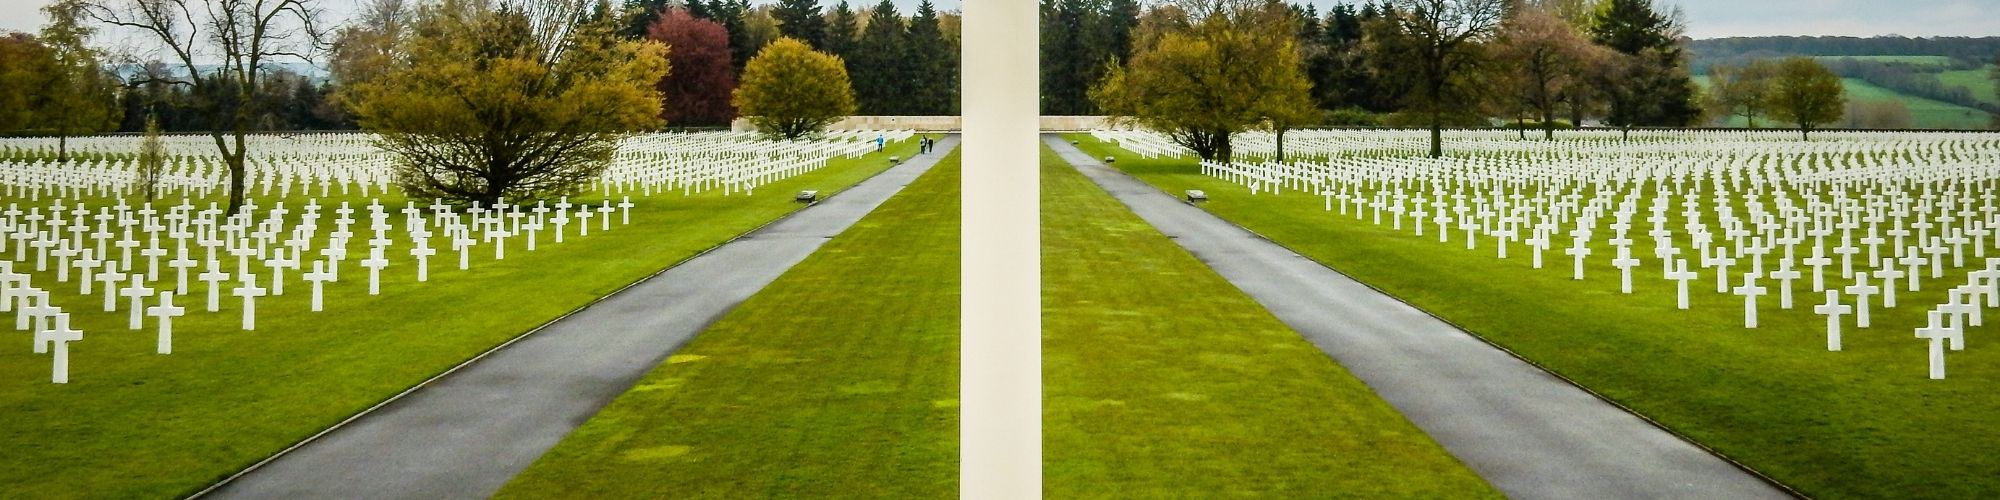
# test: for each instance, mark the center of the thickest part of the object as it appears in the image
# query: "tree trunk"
(1521, 126)
(235, 163)
(1281, 145)
(1437, 134)
(62, 148)
(1549, 124)
(1803, 129)
(1222, 149)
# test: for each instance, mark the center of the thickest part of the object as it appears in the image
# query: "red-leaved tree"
(696, 89)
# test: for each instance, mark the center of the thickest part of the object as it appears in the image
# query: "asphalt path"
(1527, 432)
(464, 435)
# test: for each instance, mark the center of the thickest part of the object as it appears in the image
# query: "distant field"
(1975, 79)
(1926, 113)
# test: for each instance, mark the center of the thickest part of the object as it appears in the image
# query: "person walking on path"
(879, 142)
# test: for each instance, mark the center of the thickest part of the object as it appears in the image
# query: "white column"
(1000, 345)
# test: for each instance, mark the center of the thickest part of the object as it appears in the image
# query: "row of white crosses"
(733, 162)
(134, 256)
(1855, 219)
(326, 165)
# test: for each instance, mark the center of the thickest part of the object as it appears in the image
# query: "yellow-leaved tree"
(519, 100)
(791, 91)
(1213, 73)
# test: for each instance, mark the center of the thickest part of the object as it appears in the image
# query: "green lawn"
(132, 423)
(1162, 380)
(1864, 422)
(840, 379)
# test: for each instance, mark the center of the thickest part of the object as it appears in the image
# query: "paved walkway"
(1530, 434)
(466, 434)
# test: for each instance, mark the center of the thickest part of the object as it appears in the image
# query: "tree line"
(899, 65)
(477, 100)
(1970, 52)
(1919, 80)
(1204, 70)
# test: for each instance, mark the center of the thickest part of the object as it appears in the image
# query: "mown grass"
(1865, 422)
(132, 423)
(1162, 380)
(839, 379)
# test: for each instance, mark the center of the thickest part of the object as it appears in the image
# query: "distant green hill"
(1943, 80)
(1924, 113)
(1975, 79)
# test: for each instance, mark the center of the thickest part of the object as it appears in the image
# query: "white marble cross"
(1750, 290)
(1888, 274)
(1721, 262)
(166, 312)
(1625, 265)
(214, 277)
(56, 339)
(1579, 251)
(1937, 333)
(1861, 290)
(375, 263)
(249, 292)
(137, 292)
(1833, 310)
(1785, 274)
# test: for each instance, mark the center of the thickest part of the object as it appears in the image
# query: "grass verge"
(1160, 379)
(839, 379)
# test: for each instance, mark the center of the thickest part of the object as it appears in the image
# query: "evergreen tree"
(880, 85)
(1309, 23)
(933, 65)
(1068, 58)
(841, 27)
(640, 14)
(1119, 19)
(731, 14)
(1655, 73)
(801, 19)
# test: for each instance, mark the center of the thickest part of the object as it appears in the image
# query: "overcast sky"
(1706, 18)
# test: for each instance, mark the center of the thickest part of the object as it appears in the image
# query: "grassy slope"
(132, 423)
(838, 380)
(1979, 81)
(1924, 113)
(1864, 422)
(1162, 380)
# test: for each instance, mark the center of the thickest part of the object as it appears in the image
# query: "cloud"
(1861, 18)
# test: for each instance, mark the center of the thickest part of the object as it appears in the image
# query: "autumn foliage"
(697, 91)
